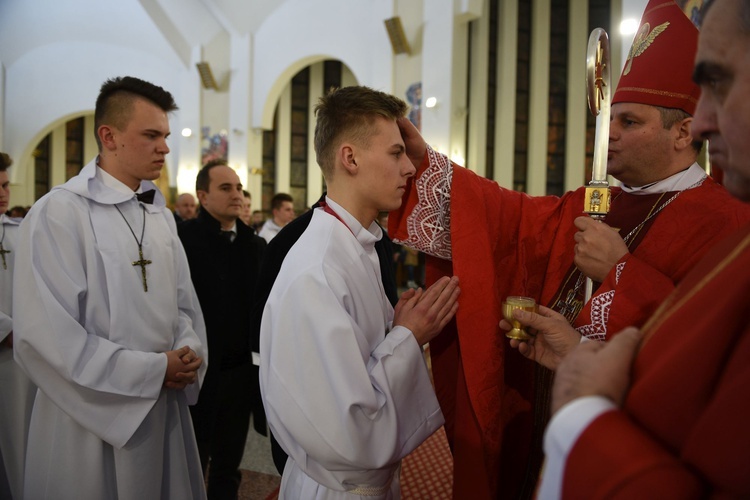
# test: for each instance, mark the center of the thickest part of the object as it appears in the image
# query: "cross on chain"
(3, 251)
(142, 262)
(599, 82)
(571, 306)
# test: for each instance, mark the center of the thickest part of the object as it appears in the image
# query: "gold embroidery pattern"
(643, 40)
(666, 93)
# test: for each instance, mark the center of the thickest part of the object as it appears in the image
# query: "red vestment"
(683, 431)
(502, 242)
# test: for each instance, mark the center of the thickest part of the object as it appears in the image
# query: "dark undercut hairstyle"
(203, 179)
(348, 114)
(115, 102)
(279, 199)
(670, 116)
(5, 161)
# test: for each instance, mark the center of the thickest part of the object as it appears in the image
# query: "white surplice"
(16, 390)
(269, 230)
(93, 341)
(346, 401)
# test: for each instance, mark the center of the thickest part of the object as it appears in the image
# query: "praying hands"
(426, 312)
(182, 368)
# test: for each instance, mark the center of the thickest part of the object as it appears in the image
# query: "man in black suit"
(274, 256)
(224, 257)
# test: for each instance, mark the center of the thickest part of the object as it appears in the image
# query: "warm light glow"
(186, 178)
(241, 171)
(431, 102)
(628, 26)
(186, 132)
(458, 159)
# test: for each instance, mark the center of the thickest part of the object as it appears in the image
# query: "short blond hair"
(348, 113)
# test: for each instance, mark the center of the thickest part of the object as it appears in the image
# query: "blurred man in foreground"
(663, 413)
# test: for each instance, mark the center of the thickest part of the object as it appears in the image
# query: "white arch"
(49, 87)
(288, 41)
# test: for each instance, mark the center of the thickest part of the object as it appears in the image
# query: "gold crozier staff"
(597, 200)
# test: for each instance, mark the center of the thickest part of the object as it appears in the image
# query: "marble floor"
(259, 477)
(257, 456)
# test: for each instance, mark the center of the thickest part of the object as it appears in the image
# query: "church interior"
(496, 85)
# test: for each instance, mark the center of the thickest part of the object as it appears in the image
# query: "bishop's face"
(639, 145)
(137, 151)
(722, 69)
(384, 168)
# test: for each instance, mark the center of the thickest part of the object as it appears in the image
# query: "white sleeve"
(562, 433)
(105, 387)
(6, 325)
(333, 403)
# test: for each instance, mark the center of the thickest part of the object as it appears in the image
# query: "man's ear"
(684, 137)
(348, 161)
(201, 196)
(106, 135)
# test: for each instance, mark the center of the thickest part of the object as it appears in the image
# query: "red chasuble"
(683, 432)
(501, 242)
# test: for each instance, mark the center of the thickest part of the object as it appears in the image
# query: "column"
(575, 130)
(536, 177)
(283, 140)
(505, 105)
(314, 175)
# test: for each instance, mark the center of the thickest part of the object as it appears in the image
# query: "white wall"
(57, 55)
(301, 32)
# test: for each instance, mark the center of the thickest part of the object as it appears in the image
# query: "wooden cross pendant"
(3, 251)
(142, 262)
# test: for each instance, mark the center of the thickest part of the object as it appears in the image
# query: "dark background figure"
(17, 212)
(246, 215)
(224, 257)
(258, 220)
(282, 213)
(185, 207)
(273, 258)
